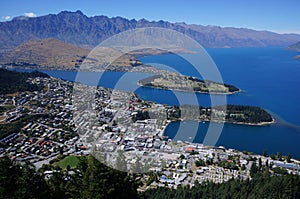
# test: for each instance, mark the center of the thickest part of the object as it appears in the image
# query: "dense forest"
(234, 113)
(92, 179)
(247, 114)
(12, 81)
(259, 187)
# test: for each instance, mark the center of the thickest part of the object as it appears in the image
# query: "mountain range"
(87, 32)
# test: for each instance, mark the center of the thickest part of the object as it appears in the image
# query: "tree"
(209, 161)
(279, 170)
(21, 181)
(100, 181)
(259, 163)
(199, 163)
(288, 158)
(265, 153)
(267, 163)
(272, 156)
(243, 168)
(57, 184)
(253, 169)
(259, 187)
(279, 156)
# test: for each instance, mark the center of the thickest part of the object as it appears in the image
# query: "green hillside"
(12, 81)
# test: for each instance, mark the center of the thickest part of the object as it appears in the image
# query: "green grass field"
(69, 160)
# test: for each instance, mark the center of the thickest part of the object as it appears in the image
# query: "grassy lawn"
(71, 160)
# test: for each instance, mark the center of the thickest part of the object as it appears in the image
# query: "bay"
(268, 77)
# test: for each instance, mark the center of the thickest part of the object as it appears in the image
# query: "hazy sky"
(281, 16)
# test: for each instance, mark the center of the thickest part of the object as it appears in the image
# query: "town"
(46, 118)
(123, 132)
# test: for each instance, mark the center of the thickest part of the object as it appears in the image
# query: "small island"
(174, 81)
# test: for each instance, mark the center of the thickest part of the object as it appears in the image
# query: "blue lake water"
(269, 78)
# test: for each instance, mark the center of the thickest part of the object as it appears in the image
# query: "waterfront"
(268, 78)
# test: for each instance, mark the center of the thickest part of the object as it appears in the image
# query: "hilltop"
(46, 52)
(52, 53)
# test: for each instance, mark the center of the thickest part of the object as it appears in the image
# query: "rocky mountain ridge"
(87, 32)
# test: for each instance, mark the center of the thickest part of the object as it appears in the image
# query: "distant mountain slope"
(47, 52)
(295, 47)
(78, 29)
